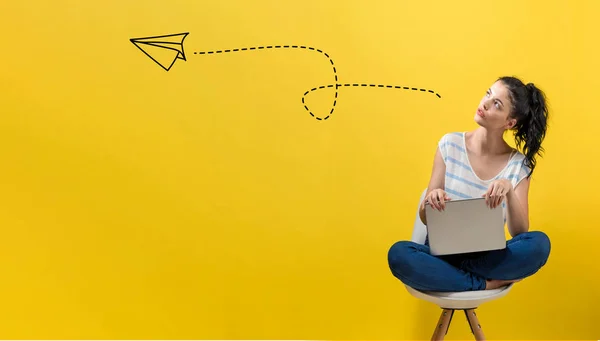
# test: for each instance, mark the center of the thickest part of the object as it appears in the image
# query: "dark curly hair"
(531, 112)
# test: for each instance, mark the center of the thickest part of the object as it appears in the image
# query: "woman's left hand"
(497, 191)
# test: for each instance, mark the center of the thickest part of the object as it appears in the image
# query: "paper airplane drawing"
(163, 50)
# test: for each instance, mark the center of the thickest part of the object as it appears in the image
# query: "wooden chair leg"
(474, 323)
(441, 329)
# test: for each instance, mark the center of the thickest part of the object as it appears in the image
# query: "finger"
(495, 190)
(431, 201)
(492, 197)
(487, 197)
(497, 200)
(501, 197)
(428, 200)
(490, 194)
(437, 202)
(441, 202)
(495, 194)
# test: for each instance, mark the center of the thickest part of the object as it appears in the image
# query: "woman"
(481, 164)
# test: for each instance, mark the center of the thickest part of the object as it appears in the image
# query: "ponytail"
(530, 110)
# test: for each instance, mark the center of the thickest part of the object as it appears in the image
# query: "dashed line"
(336, 85)
(358, 85)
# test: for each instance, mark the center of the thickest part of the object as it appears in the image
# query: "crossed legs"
(524, 255)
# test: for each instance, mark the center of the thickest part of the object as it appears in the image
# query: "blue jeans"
(413, 264)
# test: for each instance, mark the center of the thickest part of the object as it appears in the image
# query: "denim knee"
(399, 257)
(541, 246)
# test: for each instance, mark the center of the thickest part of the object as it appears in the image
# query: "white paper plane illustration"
(163, 50)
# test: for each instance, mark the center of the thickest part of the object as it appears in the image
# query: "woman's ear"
(510, 123)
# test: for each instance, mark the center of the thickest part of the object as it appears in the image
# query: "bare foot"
(498, 283)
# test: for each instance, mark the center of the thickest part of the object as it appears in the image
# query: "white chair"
(467, 301)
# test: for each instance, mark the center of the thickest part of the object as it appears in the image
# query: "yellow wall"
(205, 202)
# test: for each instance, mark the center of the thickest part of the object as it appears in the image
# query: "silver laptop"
(466, 225)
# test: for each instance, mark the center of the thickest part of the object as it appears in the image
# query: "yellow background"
(205, 202)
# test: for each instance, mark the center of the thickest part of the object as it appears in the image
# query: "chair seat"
(459, 300)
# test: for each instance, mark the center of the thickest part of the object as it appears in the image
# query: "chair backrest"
(419, 230)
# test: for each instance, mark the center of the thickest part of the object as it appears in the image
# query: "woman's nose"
(486, 104)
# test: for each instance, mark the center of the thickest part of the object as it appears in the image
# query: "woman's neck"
(483, 141)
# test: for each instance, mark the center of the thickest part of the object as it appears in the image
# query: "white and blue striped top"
(462, 182)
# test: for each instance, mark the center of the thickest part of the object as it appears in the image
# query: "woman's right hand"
(437, 199)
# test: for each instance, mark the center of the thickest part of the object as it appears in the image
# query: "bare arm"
(517, 208)
(437, 180)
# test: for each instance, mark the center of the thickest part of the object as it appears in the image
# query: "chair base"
(441, 329)
(460, 300)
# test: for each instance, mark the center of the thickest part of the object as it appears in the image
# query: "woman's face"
(494, 108)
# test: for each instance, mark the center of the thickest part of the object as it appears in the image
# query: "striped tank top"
(462, 182)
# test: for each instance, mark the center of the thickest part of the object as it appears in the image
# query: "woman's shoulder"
(517, 155)
(517, 168)
(455, 137)
(452, 144)
(518, 161)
